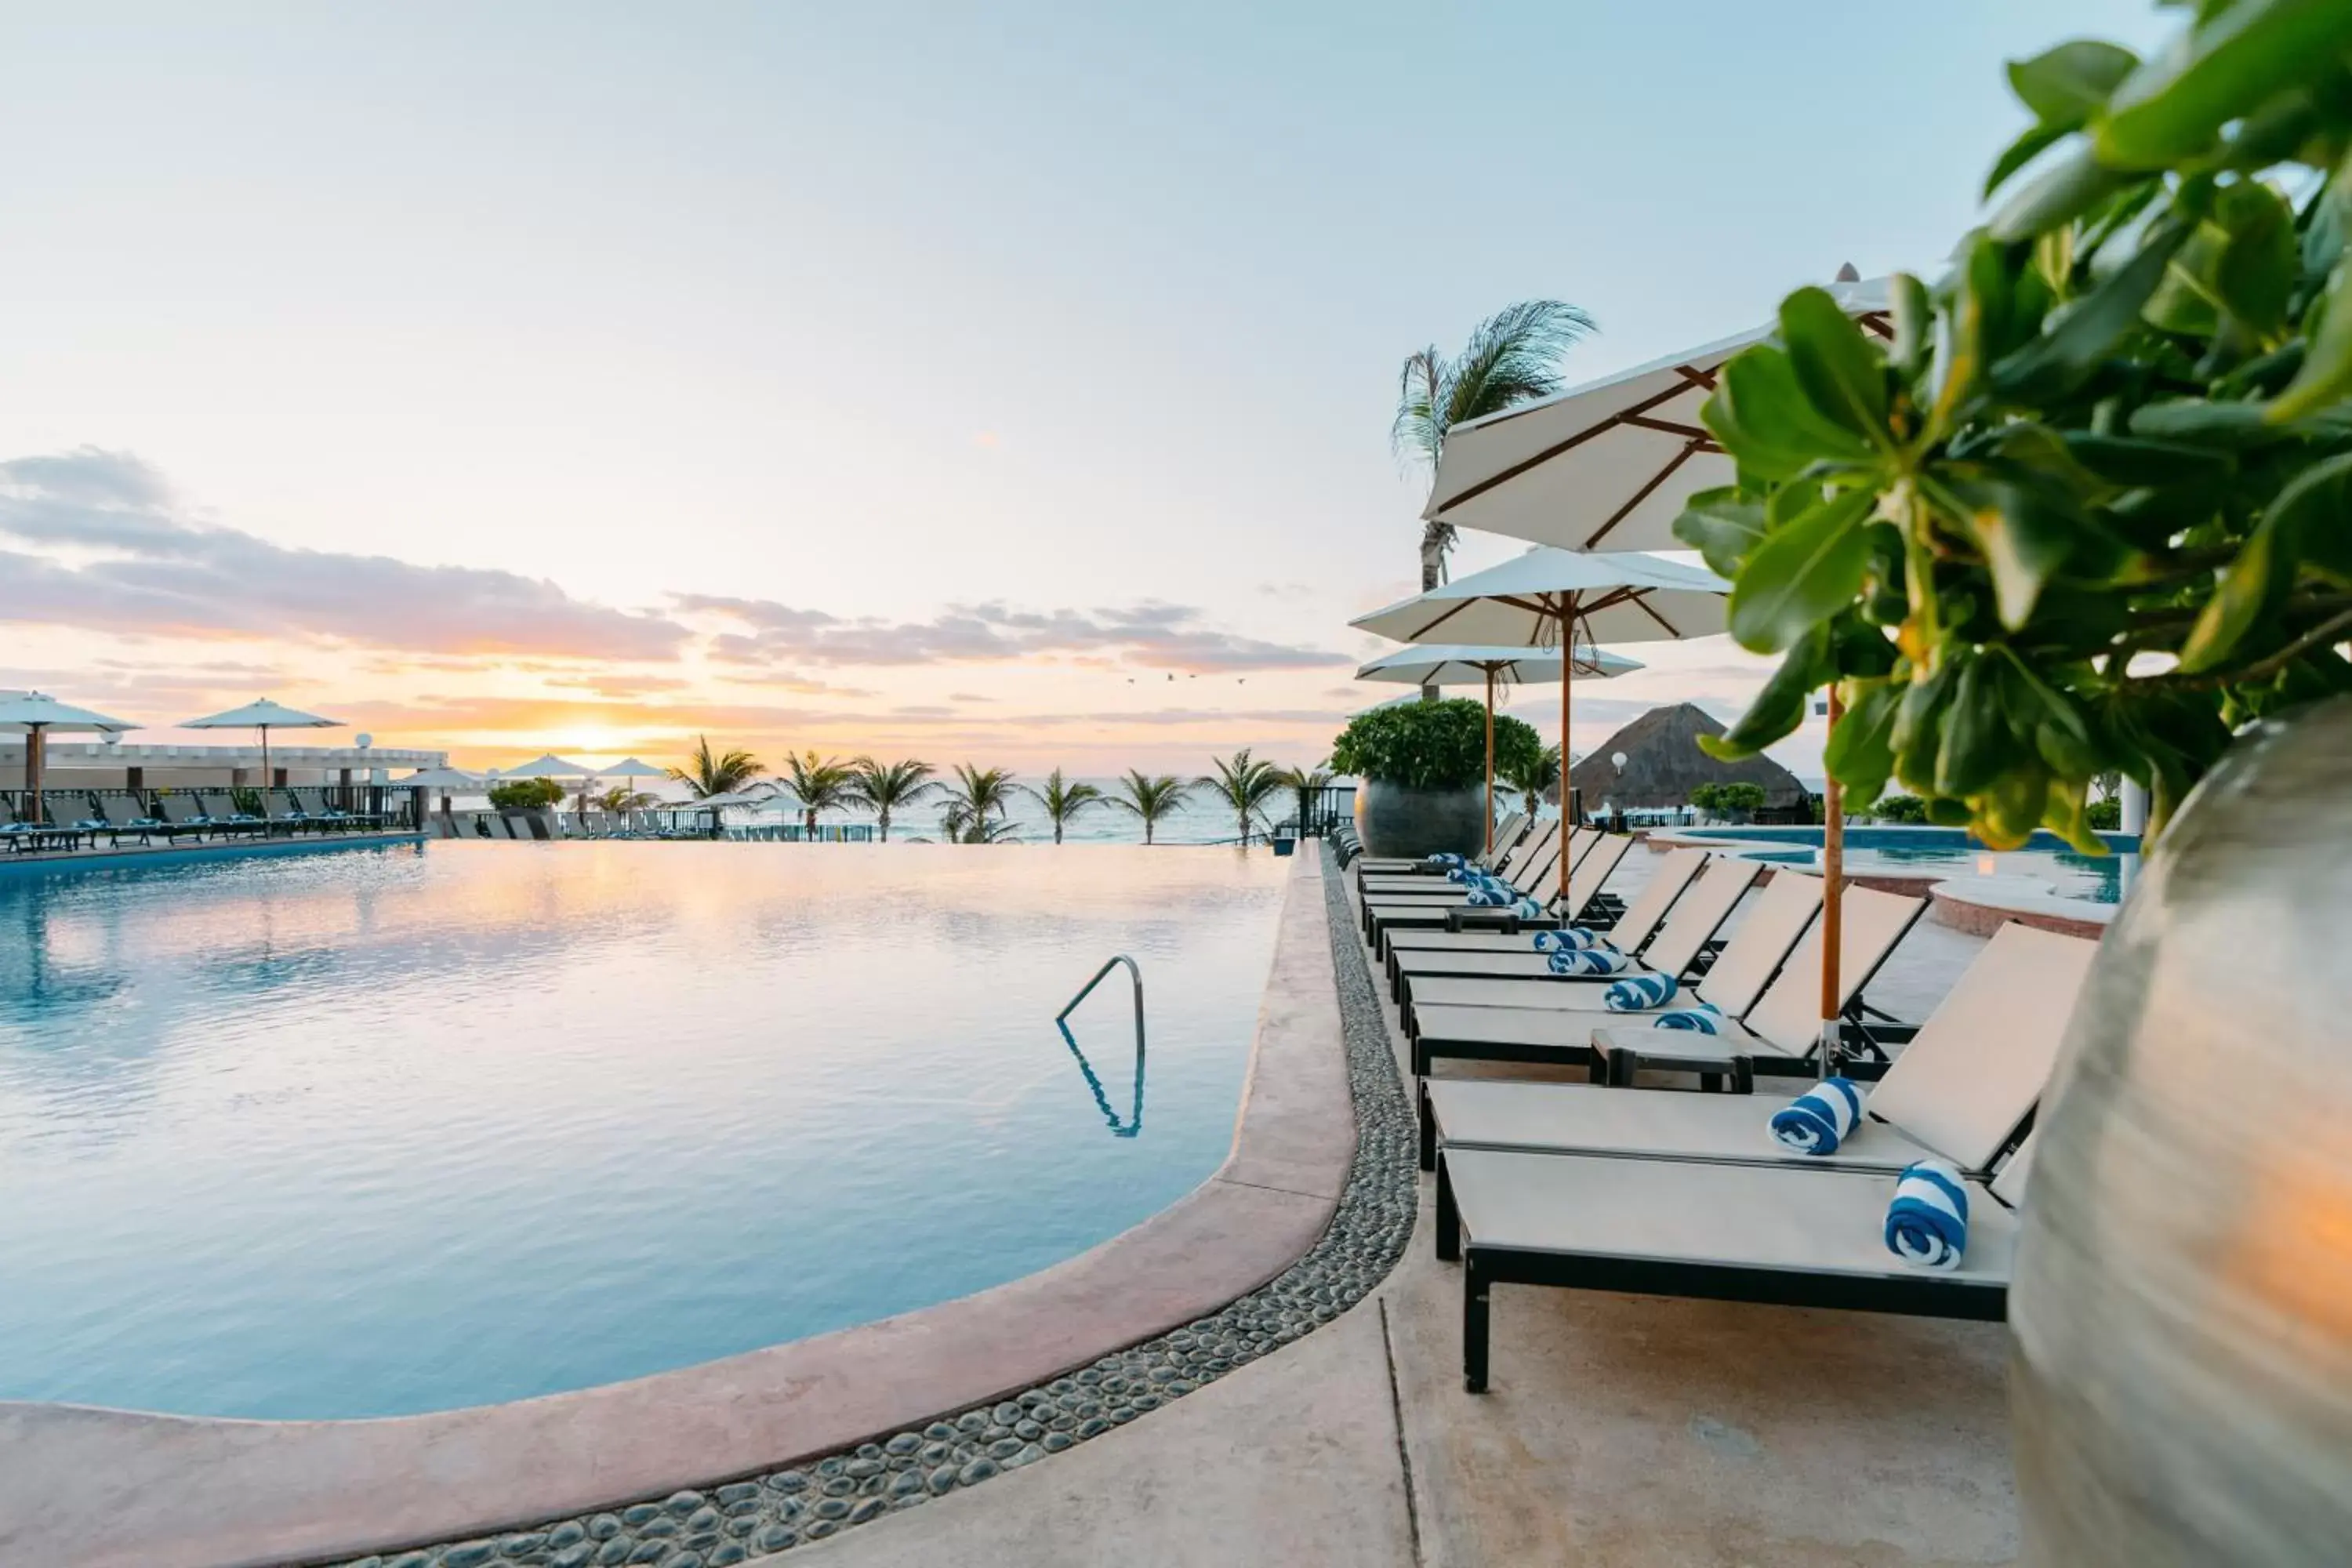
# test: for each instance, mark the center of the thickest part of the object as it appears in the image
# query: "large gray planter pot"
(2181, 1320)
(1394, 820)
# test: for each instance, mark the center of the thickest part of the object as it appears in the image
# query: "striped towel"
(1820, 1119)
(1707, 1018)
(1569, 938)
(1927, 1223)
(1528, 909)
(1639, 993)
(1587, 961)
(1446, 861)
(1490, 895)
(1462, 874)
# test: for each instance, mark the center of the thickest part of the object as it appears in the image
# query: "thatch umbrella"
(1663, 763)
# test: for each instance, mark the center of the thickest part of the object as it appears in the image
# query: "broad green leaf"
(2073, 347)
(1780, 706)
(2010, 807)
(2062, 192)
(2256, 273)
(1857, 649)
(1722, 528)
(1860, 752)
(2310, 525)
(2025, 531)
(1801, 575)
(2223, 426)
(1980, 294)
(1760, 416)
(2064, 816)
(2173, 107)
(2326, 378)
(1841, 374)
(1919, 727)
(2122, 460)
(2068, 84)
(1914, 325)
(1977, 742)
(2249, 590)
(2031, 144)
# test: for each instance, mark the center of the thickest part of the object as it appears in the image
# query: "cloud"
(968, 697)
(1154, 634)
(134, 563)
(620, 685)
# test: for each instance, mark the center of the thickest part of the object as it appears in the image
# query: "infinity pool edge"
(107, 1486)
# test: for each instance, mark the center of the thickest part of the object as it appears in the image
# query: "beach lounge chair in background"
(1530, 871)
(1509, 868)
(184, 813)
(1640, 922)
(1720, 1231)
(1507, 833)
(1396, 914)
(221, 808)
(121, 816)
(1679, 948)
(1584, 883)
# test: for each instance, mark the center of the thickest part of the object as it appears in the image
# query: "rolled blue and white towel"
(1445, 859)
(1639, 993)
(1707, 1018)
(1587, 961)
(1820, 1119)
(1570, 939)
(1528, 909)
(1462, 874)
(1490, 895)
(1927, 1223)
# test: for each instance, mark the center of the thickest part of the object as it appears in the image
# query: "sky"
(1004, 383)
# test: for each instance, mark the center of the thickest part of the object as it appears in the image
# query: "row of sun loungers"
(197, 815)
(1604, 1185)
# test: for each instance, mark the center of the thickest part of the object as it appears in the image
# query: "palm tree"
(621, 800)
(819, 783)
(708, 773)
(1148, 799)
(1513, 357)
(883, 788)
(1244, 784)
(1062, 800)
(1535, 781)
(978, 803)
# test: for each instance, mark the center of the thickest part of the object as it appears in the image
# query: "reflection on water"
(402, 1129)
(1134, 1123)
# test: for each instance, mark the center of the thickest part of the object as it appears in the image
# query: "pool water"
(2046, 858)
(392, 1130)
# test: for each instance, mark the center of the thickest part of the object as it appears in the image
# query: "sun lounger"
(221, 810)
(1715, 1232)
(313, 803)
(1696, 921)
(121, 816)
(1961, 1090)
(1641, 921)
(1584, 884)
(1734, 985)
(1533, 873)
(182, 814)
(1506, 833)
(1512, 868)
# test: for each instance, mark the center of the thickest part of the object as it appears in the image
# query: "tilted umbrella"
(1557, 599)
(1455, 664)
(263, 716)
(33, 715)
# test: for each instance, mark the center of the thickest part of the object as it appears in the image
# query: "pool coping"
(106, 1488)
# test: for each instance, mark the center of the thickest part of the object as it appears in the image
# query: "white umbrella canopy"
(1556, 599)
(630, 768)
(438, 778)
(265, 716)
(33, 715)
(1609, 465)
(548, 766)
(1455, 664)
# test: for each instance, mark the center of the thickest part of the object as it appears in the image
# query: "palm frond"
(1513, 356)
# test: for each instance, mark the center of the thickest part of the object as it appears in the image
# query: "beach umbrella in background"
(1558, 599)
(1457, 664)
(263, 716)
(631, 768)
(1610, 464)
(548, 766)
(443, 779)
(33, 715)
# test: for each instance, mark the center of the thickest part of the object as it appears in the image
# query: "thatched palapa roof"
(1664, 764)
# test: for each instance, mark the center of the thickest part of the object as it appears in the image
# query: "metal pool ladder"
(1088, 990)
(1134, 1123)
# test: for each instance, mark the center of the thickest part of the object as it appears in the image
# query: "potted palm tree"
(1424, 766)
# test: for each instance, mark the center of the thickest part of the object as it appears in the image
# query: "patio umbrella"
(1609, 464)
(1554, 599)
(443, 779)
(263, 716)
(1454, 664)
(33, 715)
(631, 768)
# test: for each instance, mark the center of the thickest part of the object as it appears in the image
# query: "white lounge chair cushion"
(1586, 1119)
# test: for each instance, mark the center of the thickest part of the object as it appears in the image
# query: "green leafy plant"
(1062, 800)
(977, 806)
(1148, 799)
(1737, 801)
(1432, 745)
(620, 800)
(1534, 777)
(1900, 808)
(884, 788)
(820, 785)
(2087, 507)
(2104, 815)
(708, 773)
(525, 794)
(1243, 784)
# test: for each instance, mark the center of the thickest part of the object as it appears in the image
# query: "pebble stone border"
(748, 1520)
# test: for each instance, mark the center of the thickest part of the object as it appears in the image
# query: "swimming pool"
(395, 1130)
(2046, 857)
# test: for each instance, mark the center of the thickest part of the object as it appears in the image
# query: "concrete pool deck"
(1619, 1430)
(104, 1488)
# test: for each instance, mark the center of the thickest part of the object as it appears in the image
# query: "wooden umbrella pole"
(1833, 884)
(1567, 808)
(1490, 765)
(36, 735)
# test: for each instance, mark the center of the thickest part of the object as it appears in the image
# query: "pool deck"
(113, 1489)
(1620, 1430)
(108, 857)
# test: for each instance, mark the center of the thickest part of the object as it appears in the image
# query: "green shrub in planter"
(1432, 745)
(1903, 809)
(525, 794)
